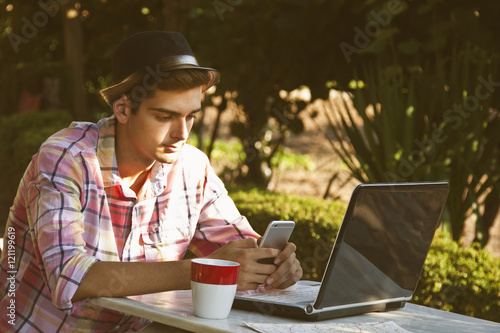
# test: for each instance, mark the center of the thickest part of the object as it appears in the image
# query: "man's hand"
(285, 272)
(288, 270)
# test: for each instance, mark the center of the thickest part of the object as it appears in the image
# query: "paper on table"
(376, 327)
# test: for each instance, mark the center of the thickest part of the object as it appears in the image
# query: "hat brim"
(110, 94)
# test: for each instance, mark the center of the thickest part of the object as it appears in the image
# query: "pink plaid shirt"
(72, 210)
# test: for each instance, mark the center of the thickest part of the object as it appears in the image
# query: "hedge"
(461, 280)
(457, 279)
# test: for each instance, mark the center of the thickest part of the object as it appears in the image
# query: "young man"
(110, 209)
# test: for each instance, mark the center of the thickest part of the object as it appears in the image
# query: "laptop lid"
(382, 244)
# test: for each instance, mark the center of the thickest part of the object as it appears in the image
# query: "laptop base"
(298, 312)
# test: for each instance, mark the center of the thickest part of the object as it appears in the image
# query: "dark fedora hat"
(150, 52)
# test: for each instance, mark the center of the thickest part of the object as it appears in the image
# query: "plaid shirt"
(72, 209)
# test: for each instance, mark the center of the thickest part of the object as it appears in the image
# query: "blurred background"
(376, 91)
(315, 96)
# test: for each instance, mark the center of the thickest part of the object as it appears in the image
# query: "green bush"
(462, 280)
(457, 279)
(22, 134)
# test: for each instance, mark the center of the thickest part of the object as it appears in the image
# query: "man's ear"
(122, 109)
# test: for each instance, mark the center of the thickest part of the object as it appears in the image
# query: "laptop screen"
(383, 242)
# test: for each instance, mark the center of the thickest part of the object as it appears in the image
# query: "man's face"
(160, 127)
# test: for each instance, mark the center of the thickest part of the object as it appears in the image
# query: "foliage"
(260, 48)
(104, 25)
(25, 133)
(460, 280)
(282, 50)
(402, 128)
(228, 155)
(286, 159)
(457, 279)
(226, 152)
(275, 37)
(426, 105)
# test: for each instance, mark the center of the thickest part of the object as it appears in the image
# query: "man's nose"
(181, 129)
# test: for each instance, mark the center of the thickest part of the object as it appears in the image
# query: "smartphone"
(277, 234)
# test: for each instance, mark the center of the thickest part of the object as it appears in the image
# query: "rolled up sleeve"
(220, 221)
(56, 220)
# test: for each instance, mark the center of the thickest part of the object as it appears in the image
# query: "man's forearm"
(117, 279)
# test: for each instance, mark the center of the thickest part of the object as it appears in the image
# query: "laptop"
(376, 260)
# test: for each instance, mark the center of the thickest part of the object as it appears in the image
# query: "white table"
(174, 308)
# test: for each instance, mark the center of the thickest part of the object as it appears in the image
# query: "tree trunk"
(254, 106)
(74, 56)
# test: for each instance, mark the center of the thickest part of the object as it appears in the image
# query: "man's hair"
(142, 85)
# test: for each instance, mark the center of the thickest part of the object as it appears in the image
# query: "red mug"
(213, 286)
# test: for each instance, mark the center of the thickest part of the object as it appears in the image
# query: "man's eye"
(163, 118)
(192, 116)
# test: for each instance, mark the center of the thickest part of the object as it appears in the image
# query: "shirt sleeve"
(54, 213)
(220, 221)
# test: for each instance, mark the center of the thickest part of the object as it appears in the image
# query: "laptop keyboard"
(296, 294)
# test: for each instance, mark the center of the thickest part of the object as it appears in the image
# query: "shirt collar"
(106, 152)
(106, 156)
